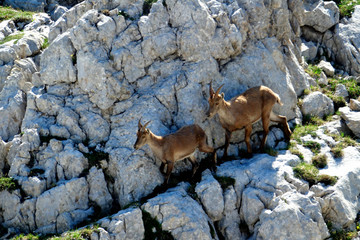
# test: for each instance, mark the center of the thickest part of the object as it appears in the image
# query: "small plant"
(153, 229)
(340, 234)
(297, 152)
(337, 151)
(26, 237)
(314, 146)
(225, 182)
(319, 161)
(9, 184)
(327, 179)
(314, 71)
(306, 172)
(12, 37)
(301, 131)
(45, 44)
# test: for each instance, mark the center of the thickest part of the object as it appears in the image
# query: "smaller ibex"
(242, 111)
(174, 147)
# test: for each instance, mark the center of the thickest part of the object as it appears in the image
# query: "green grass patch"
(313, 146)
(347, 7)
(12, 37)
(297, 152)
(153, 229)
(225, 182)
(45, 44)
(306, 172)
(9, 184)
(303, 130)
(342, 234)
(8, 13)
(352, 86)
(327, 179)
(319, 161)
(343, 142)
(310, 173)
(314, 71)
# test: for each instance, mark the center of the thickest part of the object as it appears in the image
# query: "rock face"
(352, 119)
(69, 115)
(317, 104)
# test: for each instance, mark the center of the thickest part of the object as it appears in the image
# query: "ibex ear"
(222, 95)
(147, 130)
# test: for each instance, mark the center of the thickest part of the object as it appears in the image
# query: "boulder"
(354, 105)
(308, 50)
(126, 224)
(308, 223)
(61, 208)
(317, 104)
(12, 112)
(320, 15)
(352, 119)
(98, 191)
(341, 91)
(327, 68)
(179, 214)
(209, 191)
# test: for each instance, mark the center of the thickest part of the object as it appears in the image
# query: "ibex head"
(215, 101)
(142, 135)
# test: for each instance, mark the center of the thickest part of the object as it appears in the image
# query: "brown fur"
(175, 146)
(242, 111)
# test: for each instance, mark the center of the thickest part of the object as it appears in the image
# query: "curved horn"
(139, 124)
(217, 91)
(146, 124)
(211, 90)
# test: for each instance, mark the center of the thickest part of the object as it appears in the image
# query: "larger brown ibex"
(242, 111)
(174, 147)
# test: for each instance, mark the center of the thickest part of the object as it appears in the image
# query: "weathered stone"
(341, 91)
(352, 119)
(308, 50)
(62, 201)
(60, 69)
(327, 68)
(210, 192)
(354, 105)
(320, 15)
(317, 104)
(72, 161)
(126, 224)
(309, 223)
(98, 191)
(189, 220)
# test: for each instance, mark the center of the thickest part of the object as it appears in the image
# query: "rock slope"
(69, 116)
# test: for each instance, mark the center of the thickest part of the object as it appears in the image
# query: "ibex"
(174, 147)
(244, 110)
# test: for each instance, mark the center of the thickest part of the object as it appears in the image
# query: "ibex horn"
(139, 124)
(217, 91)
(211, 90)
(146, 124)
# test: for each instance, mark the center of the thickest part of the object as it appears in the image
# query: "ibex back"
(174, 147)
(242, 111)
